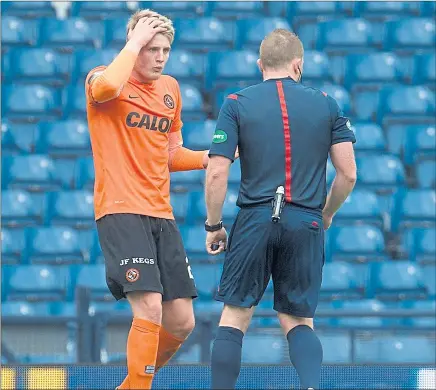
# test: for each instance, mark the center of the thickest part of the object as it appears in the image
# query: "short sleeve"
(177, 122)
(341, 126)
(225, 138)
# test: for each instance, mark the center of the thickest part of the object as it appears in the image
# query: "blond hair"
(145, 13)
(279, 48)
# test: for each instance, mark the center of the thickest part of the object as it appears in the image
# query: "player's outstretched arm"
(107, 85)
(183, 159)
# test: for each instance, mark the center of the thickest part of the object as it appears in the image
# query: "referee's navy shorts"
(290, 251)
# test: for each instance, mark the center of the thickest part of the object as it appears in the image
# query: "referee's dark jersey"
(284, 131)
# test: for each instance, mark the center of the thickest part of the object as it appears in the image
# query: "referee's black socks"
(305, 351)
(226, 357)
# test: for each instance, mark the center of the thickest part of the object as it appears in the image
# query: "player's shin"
(169, 344)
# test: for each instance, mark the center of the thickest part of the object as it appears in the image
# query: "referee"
(284, 132)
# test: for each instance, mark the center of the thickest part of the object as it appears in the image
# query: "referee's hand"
(216, 242)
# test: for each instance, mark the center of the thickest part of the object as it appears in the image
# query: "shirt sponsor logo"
(219, 137)
(149, 122)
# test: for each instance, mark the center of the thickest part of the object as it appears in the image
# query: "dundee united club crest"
(169, 102)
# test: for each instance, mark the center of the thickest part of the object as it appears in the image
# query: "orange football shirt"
(129, 138)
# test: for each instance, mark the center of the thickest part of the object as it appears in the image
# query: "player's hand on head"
(146, 28)
(216, 242)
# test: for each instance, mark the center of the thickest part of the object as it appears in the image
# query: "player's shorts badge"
(132, 275)
(169, 102)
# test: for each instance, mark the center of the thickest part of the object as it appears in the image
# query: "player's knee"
(185, 327)
(146, 305)
(288, 322)
(236, 317)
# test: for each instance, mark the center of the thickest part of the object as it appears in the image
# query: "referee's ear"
(259, 64)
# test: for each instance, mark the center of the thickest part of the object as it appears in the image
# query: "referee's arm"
(221, 155)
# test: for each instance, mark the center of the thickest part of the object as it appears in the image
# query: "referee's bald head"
(279, 48)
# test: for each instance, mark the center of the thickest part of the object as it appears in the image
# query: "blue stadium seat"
(313, 8)
(206, 32)
(424, 70)
(251, 32)
(397, 280)
(207, 277)
(235, 173)
(406, 103)
(29, 9)
(85, 60)
(184, 181)
(380, 171)
(428, 272)
(360, 206)
(192, 108)
(94, 278)
(263, 348)
(19, 138)
(198, 135)
(115, 33)
(71, 208)
(121, 306)
(357, 243)
(19, 32)
(373, 70)
(375, 10)
(64, 172)
(426, 174)
(340, 94)
(362, 320)
(237, 67)
(394, 349)
(186, 67)
(235, 9)
(75, 97)
(187, 355)
(29, 102)
(101, 10)
(420, 245)
(336, 346)
(54, 245)
(85, 173)
(178, 9)
(365, 104)
(418, 321)
(396, 137)
(276, 8)
(71, 33)
(428, 8)
(369, 137)
(33, 172)
(194, 238)
(69, 138)
(340, 282)
(180, 204)
(38, 283)
(344, 35)
(20, 208)
(26, 309)
(39, 65)
(13, 245)
(420, 144)
(206, 307)
(410, 33)
(316, 66)
(413, 208)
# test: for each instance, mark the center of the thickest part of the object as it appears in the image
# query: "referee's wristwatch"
(213, 228)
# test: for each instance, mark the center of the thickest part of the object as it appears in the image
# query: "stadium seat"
(64, 172)
(101, 10)
(194, 238)
(313, 8)
(394, 349)
(192, 108)
(29, 9)
(71, 33)
(426, 174)
(429, 272)
(237, 67)
(362, 321)
(86, 60)
(75, 97)
(190, 355)
(33, 172)
(207, 277)
(39, 65)
(421, 245)
(205, 32)
(396, 137)
(380, 172)
(383, 10)
(340, 282)
(206, 307)
(251, 32)
(346, 35)
(413, 208)
(18, 138)
(357, 243)
(38, 283)
(397, 280)
(373, 70)
(263, 348)
(179, 9)
(186, 67)
(13, 245)
(340, 94)
(235, 9)
(369, 137)
(71, 208)
(54, 245)
(181, 206)
(30, 102)
(361, 206)
(184, 181)
(316, 66)
(20, 208)
(406, 103)
(365, 104)
(420, 144)
(424, 70)
(336, 347)
(115, 33)
(94, 278)
(416, 321)
(19, 32)
(85, 173)
(410, 33)
(26, 309)
(69, 138)
(198, 135)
